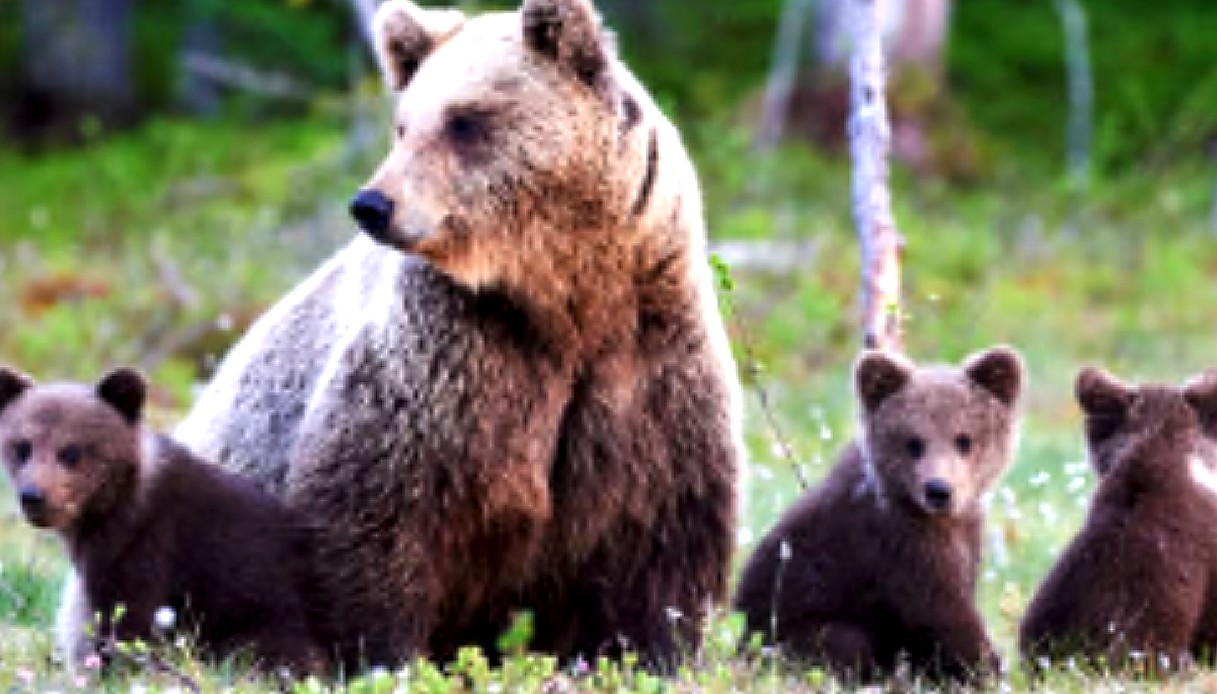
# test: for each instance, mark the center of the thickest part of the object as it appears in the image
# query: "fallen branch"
(235, 75)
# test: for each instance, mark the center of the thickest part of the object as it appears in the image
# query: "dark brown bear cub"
(878, 564)
(148, 526)
(1137, 588)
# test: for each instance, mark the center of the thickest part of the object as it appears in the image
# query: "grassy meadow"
(157, 247)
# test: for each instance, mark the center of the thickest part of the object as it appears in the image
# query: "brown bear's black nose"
(938, 494)
(373, 212)
(33, 499)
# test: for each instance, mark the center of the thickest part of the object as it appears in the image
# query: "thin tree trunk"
(1213, 221)
(783, 72)
(1081, 90)
(870, 145)
(76, 54)
(365, 12)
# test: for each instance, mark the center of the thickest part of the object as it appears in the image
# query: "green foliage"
(158, 247)
(1155, 79)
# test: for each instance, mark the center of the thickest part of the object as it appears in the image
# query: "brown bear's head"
(70, 449)
(513, 142)
(1159, 430)
(937, 438)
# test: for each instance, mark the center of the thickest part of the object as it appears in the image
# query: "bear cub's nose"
(32, 499)
(373, 212)
(938, 494)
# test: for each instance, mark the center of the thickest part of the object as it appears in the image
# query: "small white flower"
(164, 619)
(743, 536)
(674, 615)
(784, 551)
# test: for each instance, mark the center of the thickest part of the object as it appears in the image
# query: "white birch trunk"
(870, 146)
(914, 32)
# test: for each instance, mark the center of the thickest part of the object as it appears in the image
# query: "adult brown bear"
(515, 392)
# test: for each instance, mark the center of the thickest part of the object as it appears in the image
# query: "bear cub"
(1136, 589)
(148, 526)
(878, 564)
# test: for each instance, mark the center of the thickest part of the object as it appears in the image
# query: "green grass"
(141, 242)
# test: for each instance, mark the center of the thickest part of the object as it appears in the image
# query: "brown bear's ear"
(999, 371)
(124, 390)
(569, 32)
(878, 376)
(1201, 393)
(406, 34)
(12, 384)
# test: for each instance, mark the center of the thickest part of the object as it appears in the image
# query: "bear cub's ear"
(12, 384)
(124, 389)
(406, 34)
(1201, 393)
(568, 31)
(878, 376)
(999, 371)
(1100, 394)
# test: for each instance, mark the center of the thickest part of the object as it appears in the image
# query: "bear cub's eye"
(70, 455)
(963, 444)
(20, 451)
(915, 447)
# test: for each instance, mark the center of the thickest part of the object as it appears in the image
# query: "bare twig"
(870, 144)
(752, 369)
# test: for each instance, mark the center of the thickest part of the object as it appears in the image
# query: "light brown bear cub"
(148, 526)
(880, 561)
(1137, 587)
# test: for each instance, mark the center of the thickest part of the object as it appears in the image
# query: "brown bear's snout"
(938, 494)
(33, 504)
(373, 212)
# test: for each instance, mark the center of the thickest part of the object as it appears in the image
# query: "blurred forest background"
(168, 169)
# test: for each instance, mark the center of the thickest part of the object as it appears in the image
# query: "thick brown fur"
(149, 526)
(866, 569)
(1136, 589)
(523, 397)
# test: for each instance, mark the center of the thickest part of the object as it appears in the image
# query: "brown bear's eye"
(963, 444)
(465, 128)
(69, 456)
(20, 450)
(915, 447)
